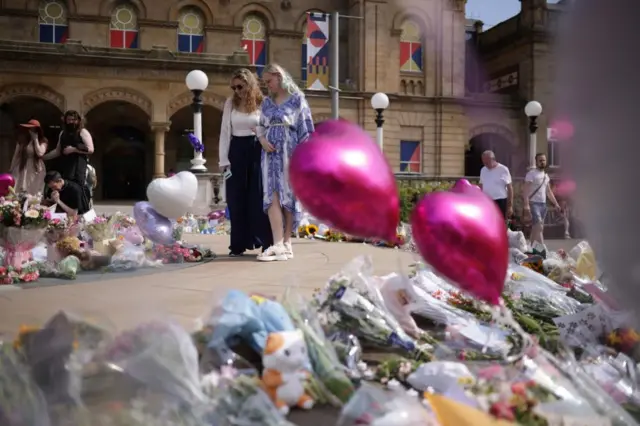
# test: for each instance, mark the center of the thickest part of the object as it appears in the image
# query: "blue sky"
(492, 12)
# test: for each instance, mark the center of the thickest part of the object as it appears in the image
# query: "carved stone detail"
(12, 91)
(185, 99)
(131, 96)
(496, 129)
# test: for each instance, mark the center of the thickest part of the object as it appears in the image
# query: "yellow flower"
(32, 214)
(311, 229)
(24, 329)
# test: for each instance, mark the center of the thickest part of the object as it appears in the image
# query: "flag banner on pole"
(318, 51)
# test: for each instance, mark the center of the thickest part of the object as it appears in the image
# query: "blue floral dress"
(285, 126)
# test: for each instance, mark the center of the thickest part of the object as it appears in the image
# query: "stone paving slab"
(188, 293)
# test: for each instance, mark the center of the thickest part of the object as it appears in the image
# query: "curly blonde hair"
(254, 95)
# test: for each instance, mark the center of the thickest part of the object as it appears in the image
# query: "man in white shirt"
(536, 191)
(495, 181)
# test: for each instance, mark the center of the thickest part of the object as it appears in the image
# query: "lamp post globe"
(197, 80)
(380, 101)
(533, 109)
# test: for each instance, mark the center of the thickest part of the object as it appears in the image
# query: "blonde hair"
(254, 95)
(286, 81)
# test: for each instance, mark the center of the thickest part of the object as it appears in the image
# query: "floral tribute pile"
(34, 243)
(312, 229)
(404, 349)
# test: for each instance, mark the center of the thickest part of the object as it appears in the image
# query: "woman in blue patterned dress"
(285, 123)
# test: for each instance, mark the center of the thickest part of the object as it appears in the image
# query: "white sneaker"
(273, 253)
(288, 250)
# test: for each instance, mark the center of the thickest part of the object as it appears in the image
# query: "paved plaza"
(122, 300)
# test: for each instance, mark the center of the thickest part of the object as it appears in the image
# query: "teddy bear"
(284, 375)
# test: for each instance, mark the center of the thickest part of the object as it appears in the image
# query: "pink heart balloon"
(565, 188)
(464, 238)
(464, 186)
(6, 181)
(341, 177)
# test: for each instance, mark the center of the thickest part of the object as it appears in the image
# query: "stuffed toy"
(284, 375)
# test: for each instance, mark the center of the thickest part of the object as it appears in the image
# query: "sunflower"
(302, 231)
(311, 229)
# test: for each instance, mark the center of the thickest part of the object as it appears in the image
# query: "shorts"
(538, 212)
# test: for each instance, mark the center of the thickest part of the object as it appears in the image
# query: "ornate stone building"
(122, 64)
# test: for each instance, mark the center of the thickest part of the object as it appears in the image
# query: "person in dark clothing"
(66, 194)
(75, 144)
(240, 154)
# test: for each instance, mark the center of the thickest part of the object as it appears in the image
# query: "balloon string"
(502, 316)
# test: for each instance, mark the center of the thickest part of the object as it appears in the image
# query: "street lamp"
(533, 109)
(379, 102)
(197, 81)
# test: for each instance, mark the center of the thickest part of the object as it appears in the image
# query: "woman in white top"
(240, 154)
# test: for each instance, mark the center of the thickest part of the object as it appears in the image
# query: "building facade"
(122, 64)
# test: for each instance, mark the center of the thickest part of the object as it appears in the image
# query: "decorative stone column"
(159, 130)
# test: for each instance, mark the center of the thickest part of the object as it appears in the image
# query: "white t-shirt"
(494, 181)
(537, 178)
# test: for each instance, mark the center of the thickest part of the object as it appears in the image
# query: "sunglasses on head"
(237, 87)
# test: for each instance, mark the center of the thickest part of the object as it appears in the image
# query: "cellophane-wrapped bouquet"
(101, 228)
(23, 221)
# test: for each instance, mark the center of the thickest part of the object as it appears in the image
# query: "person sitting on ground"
(68, 196)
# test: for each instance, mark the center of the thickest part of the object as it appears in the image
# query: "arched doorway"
(123, 150)
(178, 150)
(497, 143)
(121, 161)
(20, 110)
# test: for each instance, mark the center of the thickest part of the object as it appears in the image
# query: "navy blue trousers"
(250, 227)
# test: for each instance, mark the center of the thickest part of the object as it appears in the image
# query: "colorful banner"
(317, 51)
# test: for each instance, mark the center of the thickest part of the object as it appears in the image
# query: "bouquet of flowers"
(323, 357)
(101, 229)
(349, 303)
(25, 274)
(160, 355)
(21, 401)
(243, 402)
(178, 253)
(22, 224)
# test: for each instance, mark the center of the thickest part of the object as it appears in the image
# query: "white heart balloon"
(173, 197)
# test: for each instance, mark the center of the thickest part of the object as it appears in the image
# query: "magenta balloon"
(344, 179)
(6, 181)
(464, 237)
(152, 224)
(464, 186)
(565, 188)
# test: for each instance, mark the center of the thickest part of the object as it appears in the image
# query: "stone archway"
(40, 91)
(122, 94)
(185, 99)
(489, 141)
(21, 108)
(123, 156)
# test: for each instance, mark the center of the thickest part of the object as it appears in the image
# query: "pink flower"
(47, 215)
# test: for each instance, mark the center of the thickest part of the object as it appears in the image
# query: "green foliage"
(411, 194)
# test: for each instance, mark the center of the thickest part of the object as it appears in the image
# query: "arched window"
(304, 59)
(52, 22)
(191, 30)
(123, 32)
(411, 55)
(254, 41)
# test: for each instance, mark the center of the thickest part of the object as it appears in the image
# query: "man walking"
(536, 191)
(495, 181)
